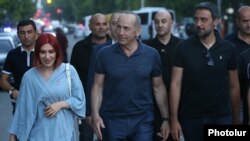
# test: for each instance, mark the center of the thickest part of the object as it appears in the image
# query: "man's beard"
(246, 32)
(203, 34)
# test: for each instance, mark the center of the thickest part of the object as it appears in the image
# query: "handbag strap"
(68, 77)
(69, 84)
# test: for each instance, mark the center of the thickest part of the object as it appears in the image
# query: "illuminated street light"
(230, 10)
(49, 1)
(58, 10)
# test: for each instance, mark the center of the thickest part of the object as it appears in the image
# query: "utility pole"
(142, 3)
(219, 7)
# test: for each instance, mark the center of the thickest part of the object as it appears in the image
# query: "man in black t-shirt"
(19, 60)
(165, 43)
(241, 40)
(204, 86)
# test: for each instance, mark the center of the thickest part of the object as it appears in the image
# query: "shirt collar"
(218, 41)
(139, 50)
(22, 49)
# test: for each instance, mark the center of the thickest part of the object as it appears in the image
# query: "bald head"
(163, 23)
(243, 20)
(96, 17)
(243, 10)
(165, 13)
(98, 25)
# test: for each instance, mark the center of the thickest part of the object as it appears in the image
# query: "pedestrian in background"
(45, 108)
(112, 25)
(204, 85)
(127, 75)
(63, 41)
(241, 40)
(19, 60)
(248, 95)
(97, 48)
(80, 59)
(165, 43)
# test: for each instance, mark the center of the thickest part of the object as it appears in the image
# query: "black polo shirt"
(17, 62)
(244, 60)
(205, 89)
(240, 44)
(166, 52)
(243, 55)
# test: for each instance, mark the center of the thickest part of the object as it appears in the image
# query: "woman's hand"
(15, 93)
(12, 137)
(51, 110)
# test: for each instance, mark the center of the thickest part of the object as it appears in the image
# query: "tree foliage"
(74, 10)
(14, 10)
(81, 8)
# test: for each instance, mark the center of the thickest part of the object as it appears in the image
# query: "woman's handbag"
(68, 77)
(69, 84)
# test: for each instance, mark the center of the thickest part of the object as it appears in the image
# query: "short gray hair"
(137, 18)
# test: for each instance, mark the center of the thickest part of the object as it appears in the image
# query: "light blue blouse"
(29, 122)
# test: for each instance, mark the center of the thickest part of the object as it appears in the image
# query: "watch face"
(11, 90)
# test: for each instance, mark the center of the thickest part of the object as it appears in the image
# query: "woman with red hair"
(45, 108)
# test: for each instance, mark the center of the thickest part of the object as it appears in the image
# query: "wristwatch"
(11, 90)
(165, 119)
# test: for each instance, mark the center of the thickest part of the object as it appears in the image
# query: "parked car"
(147, 16)
(13, 35)
(187, 27)
(79, 31)
(86, 21)
(49, 29)
(7, 43)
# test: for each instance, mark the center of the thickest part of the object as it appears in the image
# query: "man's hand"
(97, 124)
(176, 129)
(165, 130)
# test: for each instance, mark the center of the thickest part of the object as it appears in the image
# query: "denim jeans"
(192, 127)
(129, 129)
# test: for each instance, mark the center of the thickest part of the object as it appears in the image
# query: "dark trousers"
(192, 127)
(13, 104)
(138, 128)
(245, 111)
(86, 131)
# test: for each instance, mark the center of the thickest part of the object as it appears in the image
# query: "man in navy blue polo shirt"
(19, 60)
(127, 75)
(241, 40)
(204, 86)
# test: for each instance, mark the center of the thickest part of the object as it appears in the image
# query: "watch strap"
(11, 90)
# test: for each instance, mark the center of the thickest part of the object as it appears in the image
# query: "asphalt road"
(5, 115)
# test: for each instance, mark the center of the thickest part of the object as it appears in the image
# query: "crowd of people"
(122, 88)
